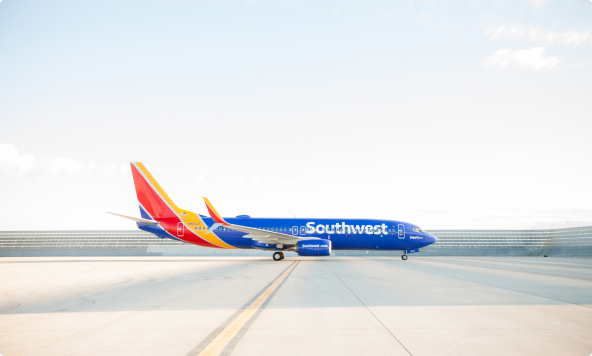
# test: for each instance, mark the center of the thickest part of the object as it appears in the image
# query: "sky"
(448, 114)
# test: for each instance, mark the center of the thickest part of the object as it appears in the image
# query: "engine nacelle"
(313, 248)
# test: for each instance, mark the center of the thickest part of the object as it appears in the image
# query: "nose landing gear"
(278, 256)
(404, 257)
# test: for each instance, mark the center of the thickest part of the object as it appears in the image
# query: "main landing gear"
(278, 256)
(404, 257)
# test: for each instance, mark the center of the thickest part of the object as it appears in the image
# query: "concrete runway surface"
(299, 306)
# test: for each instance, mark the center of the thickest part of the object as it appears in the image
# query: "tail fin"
(154, 202)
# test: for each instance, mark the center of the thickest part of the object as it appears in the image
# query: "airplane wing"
(144, 221)
(259, 235)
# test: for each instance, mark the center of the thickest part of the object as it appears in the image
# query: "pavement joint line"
(90, 327)
(364, 304)
(505, 269)
(77, 332)
(224, 338)
(234, 342)
(530, 263)
(511, 290)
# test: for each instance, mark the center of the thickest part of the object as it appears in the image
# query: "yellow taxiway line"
(221, 341)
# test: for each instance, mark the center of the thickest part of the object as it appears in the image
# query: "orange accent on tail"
(213, 213)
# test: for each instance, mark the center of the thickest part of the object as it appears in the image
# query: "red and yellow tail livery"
(182, 224)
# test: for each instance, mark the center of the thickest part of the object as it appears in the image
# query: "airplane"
(306, 237)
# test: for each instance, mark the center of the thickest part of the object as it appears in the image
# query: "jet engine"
(313, 248)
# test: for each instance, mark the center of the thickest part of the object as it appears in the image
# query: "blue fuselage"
(345, 234)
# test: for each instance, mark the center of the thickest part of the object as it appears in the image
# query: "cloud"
(12, 162)
(580, 64)
(16, 165)
(522, 59)
(517, 32)
(62, 165)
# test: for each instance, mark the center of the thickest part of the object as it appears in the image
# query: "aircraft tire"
(404, 257)
(277, 256)
(283, 256)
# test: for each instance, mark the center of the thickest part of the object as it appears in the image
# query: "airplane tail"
(154, 203)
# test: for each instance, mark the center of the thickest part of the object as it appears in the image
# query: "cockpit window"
(417, 229)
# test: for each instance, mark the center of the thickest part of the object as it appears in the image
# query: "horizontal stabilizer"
(140, 220)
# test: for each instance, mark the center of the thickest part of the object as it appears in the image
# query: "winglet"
(213, 213)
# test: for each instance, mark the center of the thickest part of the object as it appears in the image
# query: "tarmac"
(298, 306)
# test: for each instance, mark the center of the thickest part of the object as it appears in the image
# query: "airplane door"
(180, 229)
(401, 231)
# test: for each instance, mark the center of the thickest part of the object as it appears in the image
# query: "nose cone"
(431, 239)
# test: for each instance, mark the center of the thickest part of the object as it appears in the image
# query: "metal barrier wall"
(570, 242)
